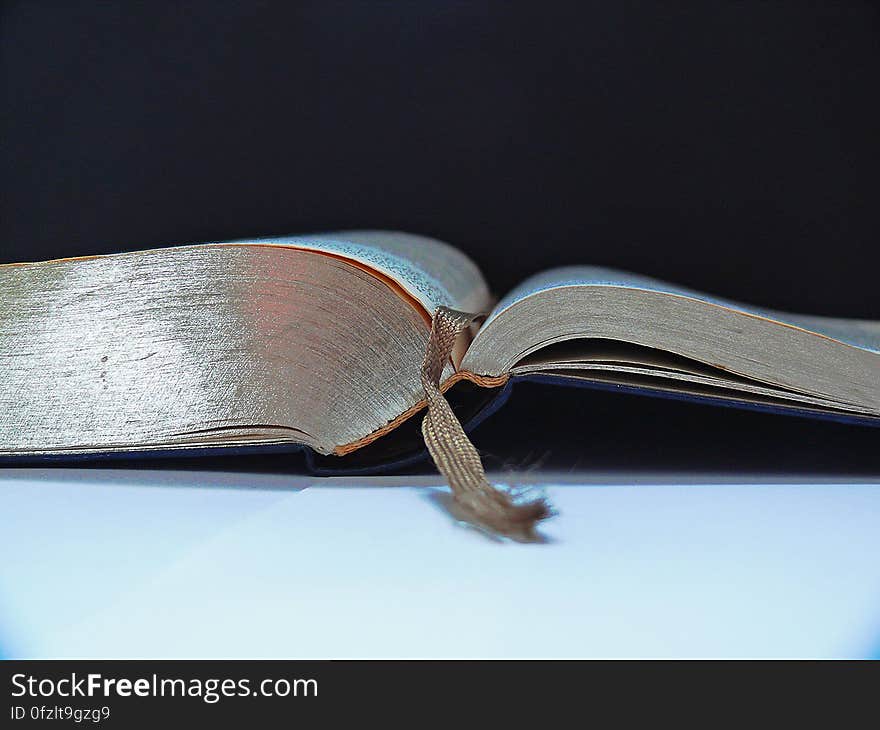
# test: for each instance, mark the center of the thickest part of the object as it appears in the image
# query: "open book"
(318, 341)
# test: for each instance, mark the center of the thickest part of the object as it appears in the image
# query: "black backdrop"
(730, 147)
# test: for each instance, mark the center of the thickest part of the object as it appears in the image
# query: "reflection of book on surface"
(318, 341)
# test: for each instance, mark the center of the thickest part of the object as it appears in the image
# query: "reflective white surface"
(104, 563)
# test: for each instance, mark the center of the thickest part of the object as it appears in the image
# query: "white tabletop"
(113, 563)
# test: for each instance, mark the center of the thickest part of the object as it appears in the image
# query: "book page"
(861, 333)
(432, 272)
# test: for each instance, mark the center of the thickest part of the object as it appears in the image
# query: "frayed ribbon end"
(496, 512)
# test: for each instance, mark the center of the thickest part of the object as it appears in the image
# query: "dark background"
(734, 148)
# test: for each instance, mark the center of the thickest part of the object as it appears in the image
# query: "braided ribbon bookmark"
(473, 497)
